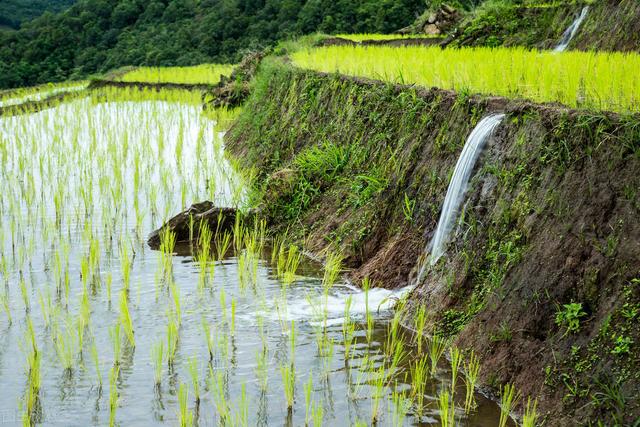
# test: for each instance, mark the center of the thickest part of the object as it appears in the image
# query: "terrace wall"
(551, 218)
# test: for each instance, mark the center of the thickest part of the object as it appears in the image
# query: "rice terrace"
(320, 213)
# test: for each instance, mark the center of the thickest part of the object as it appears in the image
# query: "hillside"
(14, 12)
(100, 35)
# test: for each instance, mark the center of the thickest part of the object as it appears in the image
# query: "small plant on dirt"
(408, 207)
(569, 317)
(622, 345)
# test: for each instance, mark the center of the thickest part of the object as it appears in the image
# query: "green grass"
(603, 81)
(198, 74)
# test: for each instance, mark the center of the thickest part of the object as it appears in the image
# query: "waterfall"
(458, 186)
(571, 31)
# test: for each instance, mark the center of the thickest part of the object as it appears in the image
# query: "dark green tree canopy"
(99, 35)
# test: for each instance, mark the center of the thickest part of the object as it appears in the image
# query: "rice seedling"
(288, 383)
(116, 341)
(125, 264)
(348, 328)
(65, 345)
(317, 414)
(530, 415)
(446, 409)
(108, 282)
(242, 413)
(509, 398)
(192, 367)
(96, 361)
(216, 385)
(595, 80)
(206, 328)
(172, 340)
(419, 381)
(308, 399)
(113, 394)
(437, 347)
(222, 244)
(185, 415)
(332, 269)
(400, 405)
(125, 318)
(32, 393)
(471, 371)
(4, 299)
(262, 368)
(419, 324)
(456, 360)
(25, 295)
(157, 356)
(379, 382)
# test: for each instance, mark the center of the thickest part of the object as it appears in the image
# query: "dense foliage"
(14, 12)
(98, 35)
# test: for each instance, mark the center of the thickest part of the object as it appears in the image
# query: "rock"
(218, 219)
(233, 90)
(432, 29)
(432, 18)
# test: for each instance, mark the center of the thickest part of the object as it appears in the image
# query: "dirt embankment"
(550, 220)
(98, 84)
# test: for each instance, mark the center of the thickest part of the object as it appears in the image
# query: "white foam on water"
(308, 305)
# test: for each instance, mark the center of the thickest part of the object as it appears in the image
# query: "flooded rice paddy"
(96, 328)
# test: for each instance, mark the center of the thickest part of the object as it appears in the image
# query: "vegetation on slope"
(14, 12)
(100, 35)
(604, 81)
(544, 261)
(612, 25)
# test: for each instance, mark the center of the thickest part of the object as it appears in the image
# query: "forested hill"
(14, 12)
(99, 35)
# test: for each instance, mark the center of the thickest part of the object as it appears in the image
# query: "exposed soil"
(96, 84)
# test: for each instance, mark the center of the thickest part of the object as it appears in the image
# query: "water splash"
(571, 31)
(458, 186)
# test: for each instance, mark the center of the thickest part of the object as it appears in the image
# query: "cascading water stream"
(571, 31)
(458, 186)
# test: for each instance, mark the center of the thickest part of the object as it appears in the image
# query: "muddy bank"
(550, 220)
(35, 106)
(97, 84)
